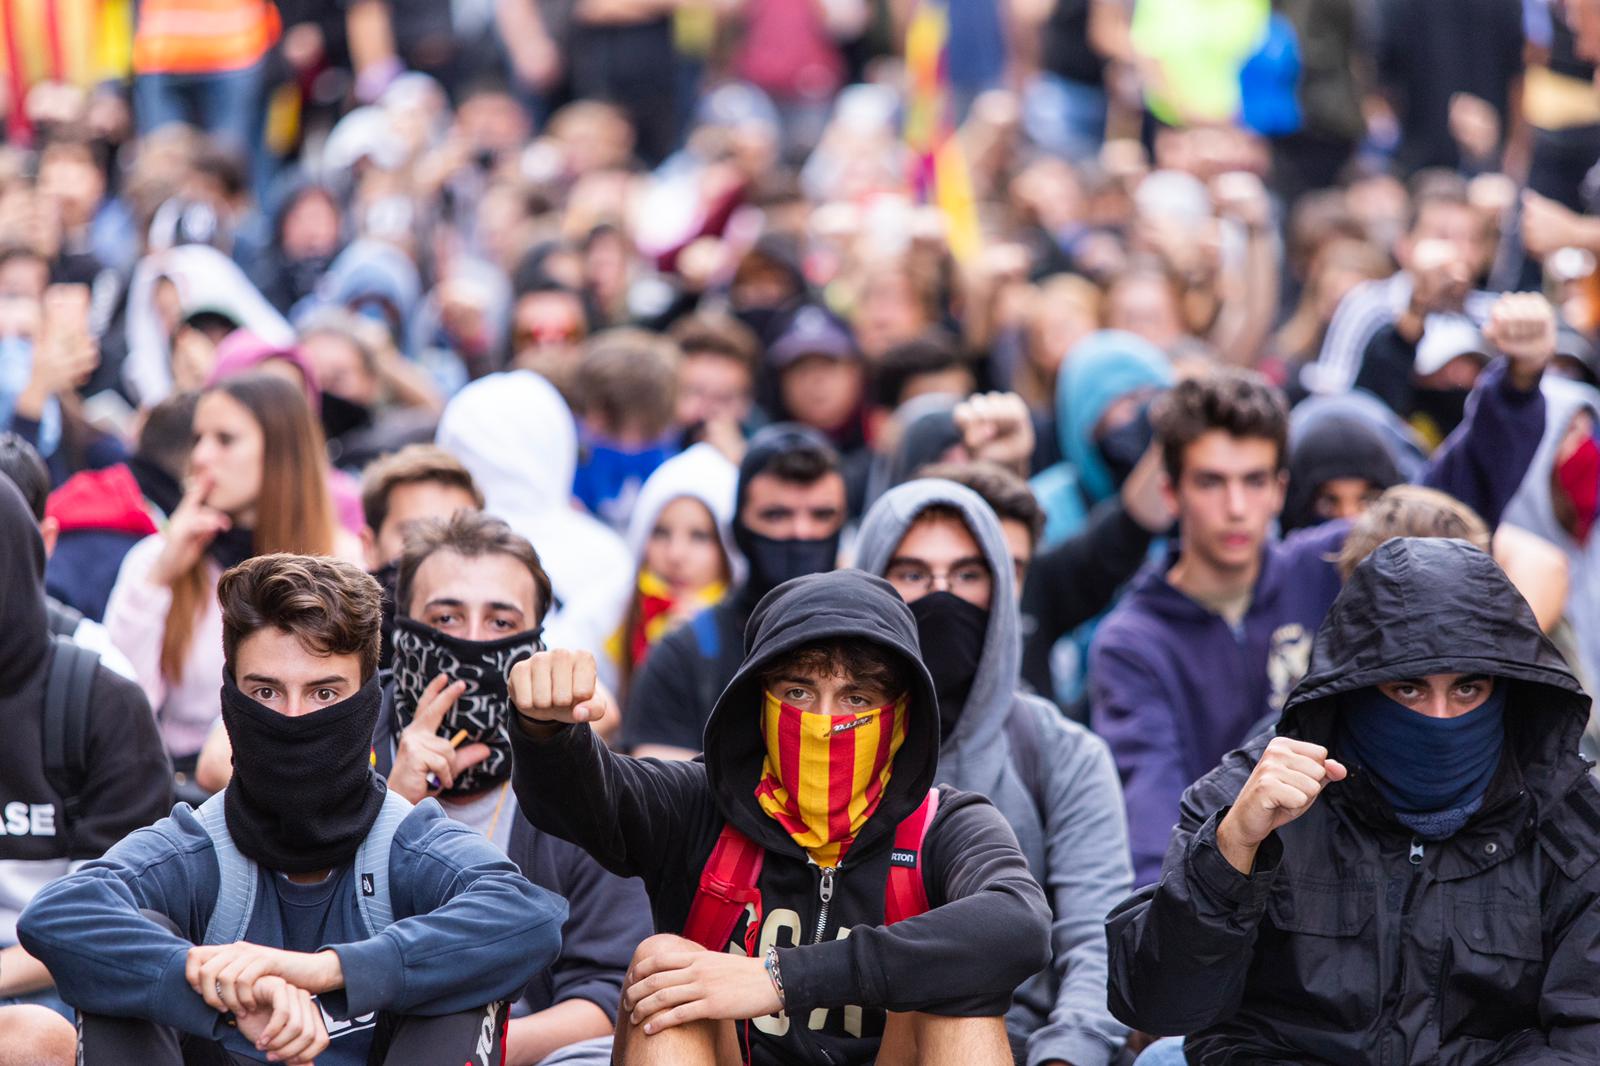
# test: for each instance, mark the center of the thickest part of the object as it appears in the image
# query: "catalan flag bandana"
(825, 774)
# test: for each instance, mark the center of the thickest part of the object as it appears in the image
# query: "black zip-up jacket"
(1352, 941)
(988, 926)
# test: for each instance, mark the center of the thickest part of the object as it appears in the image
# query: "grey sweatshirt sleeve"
(1089, 873)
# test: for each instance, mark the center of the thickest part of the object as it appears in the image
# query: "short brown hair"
(628, 377)
(1007, 495)
(1410, 511)
(1241, 403)
(331, 607)
(862, 661)
(411, 465)
(469, 534)
(714, 333)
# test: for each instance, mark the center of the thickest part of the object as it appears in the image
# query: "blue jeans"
(1167, 1052)
(230, 106)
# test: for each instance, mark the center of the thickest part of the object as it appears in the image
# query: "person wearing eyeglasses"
(944, 551)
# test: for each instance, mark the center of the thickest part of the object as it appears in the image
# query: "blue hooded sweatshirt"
(1173, 687)
(1097, 372)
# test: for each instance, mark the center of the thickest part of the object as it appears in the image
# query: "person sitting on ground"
(474, 601)
(1209, 640)
(57, 816)
(943, 550)
(879, 918)
(1407, 870)
(304, 878)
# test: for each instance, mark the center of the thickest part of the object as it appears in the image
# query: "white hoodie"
(515, 434)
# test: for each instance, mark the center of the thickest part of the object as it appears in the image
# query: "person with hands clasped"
(1407, 872)
(306, 912)
(818, 899)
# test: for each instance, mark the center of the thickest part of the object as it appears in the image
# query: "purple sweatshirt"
(1173, 687)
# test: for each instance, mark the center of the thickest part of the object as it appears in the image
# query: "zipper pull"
(1416, 852)
(825, 890)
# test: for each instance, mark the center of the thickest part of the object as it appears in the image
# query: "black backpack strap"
(64, 620)
(68, 688)
(1022, 733)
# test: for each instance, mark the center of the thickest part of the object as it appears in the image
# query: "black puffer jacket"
(1352, 942)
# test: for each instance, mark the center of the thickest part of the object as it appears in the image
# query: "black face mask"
(1123, 447)
(1445, 408)
(950, 631)
(304, 793)
(341, 416)
(422, 653)
(772, 562)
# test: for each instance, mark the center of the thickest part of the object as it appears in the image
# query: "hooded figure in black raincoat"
(1357, 938)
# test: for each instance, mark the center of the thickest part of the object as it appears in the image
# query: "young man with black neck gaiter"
(306, 911)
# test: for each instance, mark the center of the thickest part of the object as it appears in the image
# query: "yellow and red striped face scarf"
(825, 774)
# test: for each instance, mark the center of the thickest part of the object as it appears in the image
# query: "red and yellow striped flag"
(939, 166)
(824, 774)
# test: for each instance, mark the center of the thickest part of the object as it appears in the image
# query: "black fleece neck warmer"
(950, 631)
(304, 793)
(422, 653)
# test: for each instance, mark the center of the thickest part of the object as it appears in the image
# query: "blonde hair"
(1409, 511)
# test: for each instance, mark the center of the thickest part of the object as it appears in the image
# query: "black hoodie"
(1352, 941)
(129, 782)
(1335, 447)
(987, 931)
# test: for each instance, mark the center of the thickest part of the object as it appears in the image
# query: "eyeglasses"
(920, 579)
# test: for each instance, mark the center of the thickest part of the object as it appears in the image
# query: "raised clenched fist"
(1287, 780)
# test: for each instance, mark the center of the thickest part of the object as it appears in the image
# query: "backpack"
(64, 620)
(236, 889)
(65, 727)
(729, 878)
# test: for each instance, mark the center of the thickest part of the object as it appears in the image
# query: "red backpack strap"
(727, 884)
(906, 896)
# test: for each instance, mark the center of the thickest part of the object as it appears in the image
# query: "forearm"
(371, 38)
(1182, 949)
(532, 1039)
(627, 814)
(1483, 462)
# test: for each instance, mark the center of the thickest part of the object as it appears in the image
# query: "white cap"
(1445, 337)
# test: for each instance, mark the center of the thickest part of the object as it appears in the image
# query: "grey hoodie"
(1531, 509)
(1073, 833)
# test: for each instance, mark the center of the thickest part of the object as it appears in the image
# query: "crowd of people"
(1056, 532)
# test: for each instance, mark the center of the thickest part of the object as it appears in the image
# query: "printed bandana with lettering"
(825, 774)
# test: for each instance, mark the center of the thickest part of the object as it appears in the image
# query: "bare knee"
(36, 1036)
(936, 1040)
(661, 944)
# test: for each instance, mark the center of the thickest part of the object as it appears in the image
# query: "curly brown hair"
(863, 662)
(330, 607)
(1241, 403)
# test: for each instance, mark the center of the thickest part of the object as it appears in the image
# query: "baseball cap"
(812, 330)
